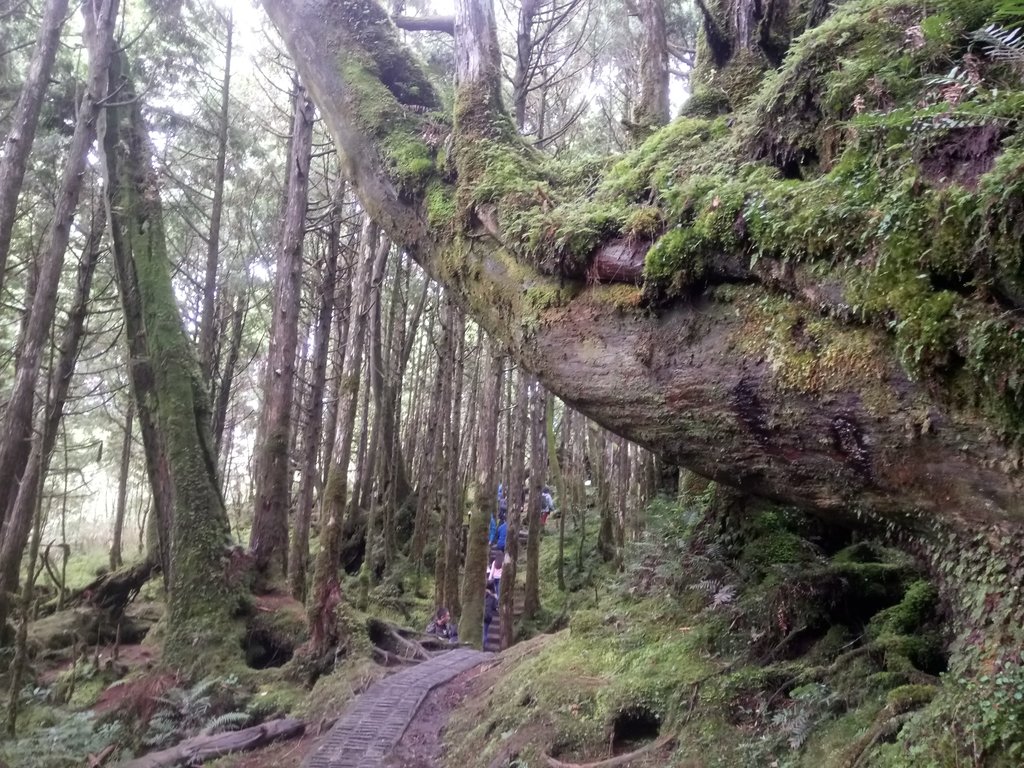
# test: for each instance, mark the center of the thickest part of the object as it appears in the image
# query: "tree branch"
(445, 24)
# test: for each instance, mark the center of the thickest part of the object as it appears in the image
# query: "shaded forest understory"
(735, 633)
(768, 355)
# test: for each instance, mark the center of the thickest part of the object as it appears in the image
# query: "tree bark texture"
(716, 377)
(515, 493)
(116, 559)
(18, 521)
(22, 133)
(652, 109)
(269, 538)
(454, 507)
(204, 594)
(485, 502)
(326, 591)
(17, 420)
(208, 319)
(538, 462)
(298, 560)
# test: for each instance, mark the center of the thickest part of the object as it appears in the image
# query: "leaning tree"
(787, 299)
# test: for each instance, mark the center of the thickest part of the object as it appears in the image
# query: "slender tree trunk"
(204, 597)
(326, 592)
(454, 511)
(555, 472)
(516, 499)
(220, 411)
(538, 463)
(22, 134)
(17, 422)
(622, 481)
(18, 524)
(298, 562)
(208, 319)
(599, 467)
(343, 311)
(116, 560)
(485, 506)
(269, 539)
(442, 435)
(524, 61)
(430, 468)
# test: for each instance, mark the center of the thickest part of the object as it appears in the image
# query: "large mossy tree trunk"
(757, 350)
(205, 581)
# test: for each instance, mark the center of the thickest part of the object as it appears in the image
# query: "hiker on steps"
(442, 626)
(498, 531)
(494, 575)
(490, 608)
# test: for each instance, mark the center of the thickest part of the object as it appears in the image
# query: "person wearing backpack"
(490, 609)
(498, 532)
(494, 574)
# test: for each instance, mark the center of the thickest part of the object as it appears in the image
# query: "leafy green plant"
(998, 701)
(66, 744)
(186, 712)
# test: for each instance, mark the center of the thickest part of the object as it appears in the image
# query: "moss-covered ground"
(754, 639)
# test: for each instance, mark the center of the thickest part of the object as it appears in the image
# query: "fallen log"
(613, 762)
(200, 748)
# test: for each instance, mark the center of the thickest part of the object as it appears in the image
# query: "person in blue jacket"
(502, 500)
(498, 531)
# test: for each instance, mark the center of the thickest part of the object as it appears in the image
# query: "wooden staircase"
(493, 640)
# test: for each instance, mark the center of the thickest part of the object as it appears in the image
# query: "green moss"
(912, 612)
(909, 697)
(677, 257)
(441, 206)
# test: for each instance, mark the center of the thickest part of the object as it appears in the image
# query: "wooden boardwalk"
(374, 721)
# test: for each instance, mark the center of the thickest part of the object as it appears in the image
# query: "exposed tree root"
(112, 592)
(612, 762)
(887, 728)
(196, 750)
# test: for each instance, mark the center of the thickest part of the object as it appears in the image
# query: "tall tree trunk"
(652, 109)
(442, 435)
(538, 462)
(555, 473)
(485, 503)
(22, 133)
(598, 445)
(208, 319)
(524, 60)
(516, 503)
(220, 410)
(269, 539)
(298, 561)
(204, 596)
(430, 469)
(343, 312)
(17, 422)
(116, 560)
(18, 523)
(326, 592)
(454, 508)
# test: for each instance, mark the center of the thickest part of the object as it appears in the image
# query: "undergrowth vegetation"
(755, 635)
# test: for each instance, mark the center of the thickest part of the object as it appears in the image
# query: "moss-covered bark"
(205, 581)
(866, 361)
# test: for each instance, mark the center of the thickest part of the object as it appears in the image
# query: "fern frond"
(229, 721)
